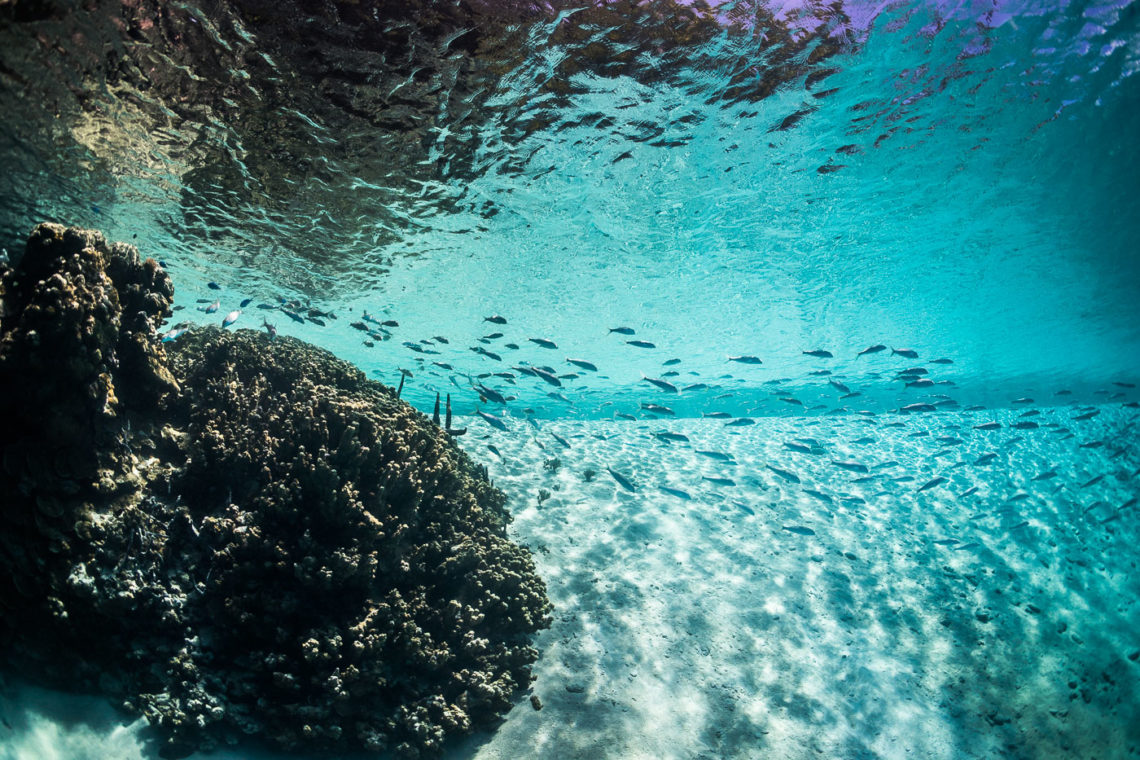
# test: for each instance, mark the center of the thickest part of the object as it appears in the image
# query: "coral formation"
(236, 536)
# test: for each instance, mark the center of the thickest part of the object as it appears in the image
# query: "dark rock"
(243, 536)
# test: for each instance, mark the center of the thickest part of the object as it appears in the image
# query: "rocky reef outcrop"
(235, 536)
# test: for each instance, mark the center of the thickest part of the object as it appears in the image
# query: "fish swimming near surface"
(949, 440)
(785, 474)
(676, 492)
(582, 363)
(908, 353)
(942, 361)
(623, 416)
(664, 385)
(1087, 415)
(641, 344)
(494, 450)
(492, 336)
(1026, 425)
(985, 459)
(819, 354)
(745, 359)
(871, 350)
(622, 330)
(1049, 475)
(799, 530)
(799, 447)
(657, 409)
(851, 466)
(230, 318)
(719, 481)
(1023, 400)
(988, 426)
(560, 439)
(670, 362)
(485, 352)
(493, 421)
(909, 408)
(931, 484)
(695, 387)
(921, 382)
(543, 342)
(622, 480)
(667, 436)
(838, 386)
(490, 394)
(546, 376)
(968, 492)
(440, 339)
(740, 422)
(716, 415)
(495, 319)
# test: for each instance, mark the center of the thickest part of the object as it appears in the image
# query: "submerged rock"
(236, 536)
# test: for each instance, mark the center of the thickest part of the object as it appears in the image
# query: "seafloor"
(808, 609)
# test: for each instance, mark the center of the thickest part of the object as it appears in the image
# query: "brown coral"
(276, 546)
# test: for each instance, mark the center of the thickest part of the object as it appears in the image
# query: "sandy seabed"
(789, 590)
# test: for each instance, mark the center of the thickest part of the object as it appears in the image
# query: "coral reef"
(235, 536)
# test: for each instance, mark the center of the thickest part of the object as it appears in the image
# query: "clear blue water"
(959, 179)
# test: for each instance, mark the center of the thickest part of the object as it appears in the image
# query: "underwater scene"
(606, 379)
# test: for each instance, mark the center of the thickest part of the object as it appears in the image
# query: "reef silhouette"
(240, 537)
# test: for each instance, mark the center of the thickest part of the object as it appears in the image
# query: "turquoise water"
(957, 179)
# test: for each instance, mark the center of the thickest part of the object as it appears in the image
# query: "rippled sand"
(899, 623)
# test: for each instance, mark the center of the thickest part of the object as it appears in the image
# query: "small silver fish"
(871, 350)
(622, 480)
(582, 363)
(664, 385)
(931, 484)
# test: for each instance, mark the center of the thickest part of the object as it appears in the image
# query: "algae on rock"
(240, 536)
